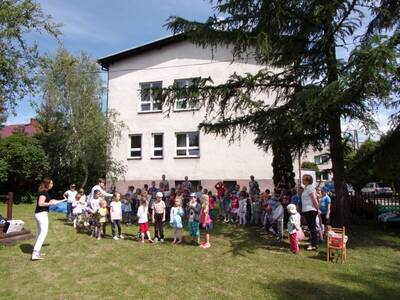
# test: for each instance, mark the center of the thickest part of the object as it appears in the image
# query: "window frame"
(153, 156)
(187, 81)
(187, 148)
(151, 101)
(130, 157)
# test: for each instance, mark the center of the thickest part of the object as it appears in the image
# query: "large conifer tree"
(313, 87)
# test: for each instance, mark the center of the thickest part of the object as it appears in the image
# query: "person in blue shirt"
(325, 207)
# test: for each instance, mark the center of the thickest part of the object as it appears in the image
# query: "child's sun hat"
(292, 208)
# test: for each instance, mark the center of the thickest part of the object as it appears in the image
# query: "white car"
(376, 188)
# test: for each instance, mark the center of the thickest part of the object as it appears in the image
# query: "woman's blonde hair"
(143, 201)
(204, 201)
(178, 200)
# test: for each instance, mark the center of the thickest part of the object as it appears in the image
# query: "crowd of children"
(159, 205)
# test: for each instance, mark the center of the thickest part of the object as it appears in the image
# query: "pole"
(299, 168)
(10, 205)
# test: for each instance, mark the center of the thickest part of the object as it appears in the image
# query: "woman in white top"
(309, 204)
(99, 187)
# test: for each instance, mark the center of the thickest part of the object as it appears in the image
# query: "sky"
(103, 27)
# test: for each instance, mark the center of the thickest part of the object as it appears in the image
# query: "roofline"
(105, 61)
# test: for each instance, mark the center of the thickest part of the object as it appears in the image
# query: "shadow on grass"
(374, 285)
(246, 240)
(28, 248)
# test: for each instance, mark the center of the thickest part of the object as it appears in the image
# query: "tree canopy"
(19, 57)
(77, 134)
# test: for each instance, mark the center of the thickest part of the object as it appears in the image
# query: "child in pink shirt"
(205, 220)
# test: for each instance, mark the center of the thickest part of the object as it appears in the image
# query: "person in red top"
(234, 208)
(220, 195)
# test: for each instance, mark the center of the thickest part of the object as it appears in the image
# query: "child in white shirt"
(293, 228)
(116, 215)
(242, 208)
(143, 221)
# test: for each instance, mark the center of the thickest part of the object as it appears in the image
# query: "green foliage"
(24, 161)
(309, 165)
(361, 168)
(19, 57)
(377, 161)
(282, 164)
(76, 132)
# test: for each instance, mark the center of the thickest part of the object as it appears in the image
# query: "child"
(211, 204)
(277, 220)
(116, 215)
(176, 220)
(226, 203)
(93, 208)
(205, 221)
(242, 208)
(126, 209)
(256, 210)
(77, 206)
(325, 208)
(194, 208)
(158, 216)
(234, 207)
(101, 230)
(220, 196)
(293, 228)
(142, 214)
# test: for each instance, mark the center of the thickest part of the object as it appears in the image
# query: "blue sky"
(102, 27)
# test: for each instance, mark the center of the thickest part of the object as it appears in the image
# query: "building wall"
(218, 159)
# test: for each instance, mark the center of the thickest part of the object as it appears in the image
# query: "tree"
(76, 132)
(23, 163)
(300, 39)
(18, 57)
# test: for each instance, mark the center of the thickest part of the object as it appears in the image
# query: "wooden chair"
(336, 241)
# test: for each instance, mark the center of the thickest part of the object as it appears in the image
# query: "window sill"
(186, 157)
(155, 157)
(134, 158)
(187, 109)
(149, 112)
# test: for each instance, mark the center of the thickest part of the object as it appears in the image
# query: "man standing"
(70, 195)
(187, 190)
(164, 184)
(254, 188)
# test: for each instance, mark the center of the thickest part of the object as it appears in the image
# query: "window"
(150, 96)
(321, 159)
(135, 150)
(187, 144)
(182, 103)
(158, 142)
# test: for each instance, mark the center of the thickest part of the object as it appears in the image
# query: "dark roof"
(107, 60)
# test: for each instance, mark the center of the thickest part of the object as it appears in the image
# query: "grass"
(241, 264)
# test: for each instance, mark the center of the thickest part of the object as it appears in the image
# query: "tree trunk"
(342, 217)
(86, 172)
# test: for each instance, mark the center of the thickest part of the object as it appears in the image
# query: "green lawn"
(240, 264)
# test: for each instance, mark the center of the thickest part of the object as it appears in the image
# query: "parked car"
(377, 188)
(329, 186)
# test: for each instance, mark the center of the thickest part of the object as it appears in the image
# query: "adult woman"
(309, 205)
(41, 215)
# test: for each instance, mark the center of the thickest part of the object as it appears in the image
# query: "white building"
(154, 143)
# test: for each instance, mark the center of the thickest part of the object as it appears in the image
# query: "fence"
(367, 204)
